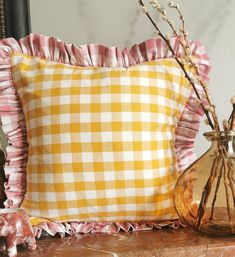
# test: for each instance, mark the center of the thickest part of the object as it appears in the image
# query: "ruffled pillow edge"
(13, 125)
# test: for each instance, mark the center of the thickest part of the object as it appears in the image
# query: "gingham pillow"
(102, 140)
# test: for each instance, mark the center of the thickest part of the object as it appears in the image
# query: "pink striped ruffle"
(50, 48)
(71, 228)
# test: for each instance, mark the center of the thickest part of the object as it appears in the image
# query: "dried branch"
(219, 175)
(231, 183)
(225, 168)
(231, 120)
(206, 193)
(192, 80)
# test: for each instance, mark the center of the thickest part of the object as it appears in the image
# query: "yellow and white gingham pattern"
(101, 140)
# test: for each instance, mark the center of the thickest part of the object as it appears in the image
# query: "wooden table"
(156, 243)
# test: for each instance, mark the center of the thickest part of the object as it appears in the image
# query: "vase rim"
(213, 135)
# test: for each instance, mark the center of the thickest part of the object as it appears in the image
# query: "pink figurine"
(15, 227)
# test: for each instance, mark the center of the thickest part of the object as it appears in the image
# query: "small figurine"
(15, 227)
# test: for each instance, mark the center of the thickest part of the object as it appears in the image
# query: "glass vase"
(204, 195)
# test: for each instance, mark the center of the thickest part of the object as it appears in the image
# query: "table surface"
(157, 243)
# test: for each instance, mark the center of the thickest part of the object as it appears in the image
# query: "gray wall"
(119, 22)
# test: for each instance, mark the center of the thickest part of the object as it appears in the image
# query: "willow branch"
(225, 168)
(231, 184)
(232, 119)
(186, 49)
(205, 194)
(182, 67)
(219, 175)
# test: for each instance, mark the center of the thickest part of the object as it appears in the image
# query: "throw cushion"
(101, 141)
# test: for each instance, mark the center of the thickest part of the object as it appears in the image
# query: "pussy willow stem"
(182, 22)
(225, 168)
(230, 166)
(219, 174)
(216, 127)
(231, 184)
(215, 118)
(232, 119)
(231, 116)
(205, 194)
(219, 168)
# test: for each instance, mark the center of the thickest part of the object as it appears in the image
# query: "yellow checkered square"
(101, 140)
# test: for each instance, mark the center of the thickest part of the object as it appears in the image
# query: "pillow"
(104, 129)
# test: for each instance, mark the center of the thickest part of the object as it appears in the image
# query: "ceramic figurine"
(15, 227)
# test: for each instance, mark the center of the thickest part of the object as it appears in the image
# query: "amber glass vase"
(204, 194)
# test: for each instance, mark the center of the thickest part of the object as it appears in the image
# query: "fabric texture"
(100, 139)
(143, 150)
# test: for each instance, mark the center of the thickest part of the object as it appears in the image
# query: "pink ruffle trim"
(71, 228)
(13, 125)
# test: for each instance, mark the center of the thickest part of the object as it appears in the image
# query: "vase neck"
(226, 142)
